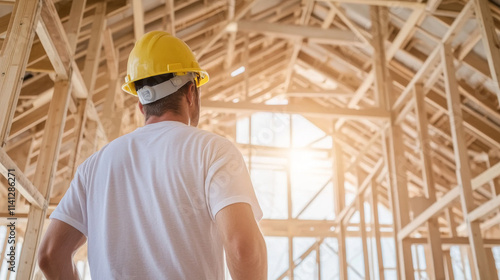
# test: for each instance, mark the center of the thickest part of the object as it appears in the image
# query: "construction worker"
(163, 201)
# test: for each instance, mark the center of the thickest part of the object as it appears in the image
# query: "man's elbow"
(47, 260)
(251, 251)
(43, 260)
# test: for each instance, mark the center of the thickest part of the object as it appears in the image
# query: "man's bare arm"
(55, 255)
(243, 242)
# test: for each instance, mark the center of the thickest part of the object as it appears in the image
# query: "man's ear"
(191, 94)
(140, 107)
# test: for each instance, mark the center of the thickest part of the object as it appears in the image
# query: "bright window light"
(238, 71)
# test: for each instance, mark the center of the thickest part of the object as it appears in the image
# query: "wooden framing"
(389, 3)
(13, 59)
(394, 151)
(493, 274)
(51, 33)
(44, 175)
(169, 5)
(376, 230)
(373, 81)
(138, 18)
(447, 198)
(72, 27)
(331, 36)
(432, 59)
(462, 161)
(24, 186)
(94, 49)
(364, 236)
(435, 264)
(218, 35)
(490, 40)
(339, 197)
(316, 111)
(89, 76)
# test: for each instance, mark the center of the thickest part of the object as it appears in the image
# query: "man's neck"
(169, 116)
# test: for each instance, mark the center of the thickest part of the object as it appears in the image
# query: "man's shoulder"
(210, 138)
(89, 161)
(208, 134)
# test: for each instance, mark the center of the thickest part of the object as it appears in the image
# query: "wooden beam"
(297, 46)
(318, 262)
(491, 43)
(393, 148)
(79, 88)
(289, 272)
(376, 229)
(397, 43)
(3, 250)
(313, 198)
(289, 31)
(339, 202)
(486, 176)
(231, 44)
(435, 263)
(342, 252)
(4, 24)
(387, 3)
(457, 241)
(44, 175)
(138, 12)
(90, 73)
(467, 46)
(484, 209)
(446, 199)
(289, 233)
(109, 115)
(30, 118)
(111, 54)
(94, 49)
(72, 26)
(23, 184)
(432, 59)
(53, 38)
(37, 53)
(492, 264)
(63, 46)
(362, 228)
(218, 34)
(462, 162)
(13, 58)
(449, 265)
(316, 111)
(328, 18)
(169, 5)
(346, 212)
(360, 33)
(405, 32)
(77, 137)
(322, 94)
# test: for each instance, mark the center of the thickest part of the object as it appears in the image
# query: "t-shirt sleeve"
(72, 209)
(228, 182)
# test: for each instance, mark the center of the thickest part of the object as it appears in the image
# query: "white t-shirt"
(147, 203)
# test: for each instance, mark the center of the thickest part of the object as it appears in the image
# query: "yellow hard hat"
(157, 53)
